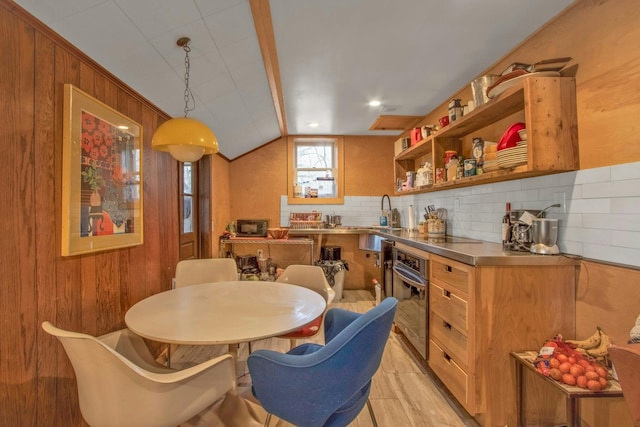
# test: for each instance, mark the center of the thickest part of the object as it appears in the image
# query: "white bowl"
(523, 134)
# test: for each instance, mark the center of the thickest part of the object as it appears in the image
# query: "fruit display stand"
(573, 394)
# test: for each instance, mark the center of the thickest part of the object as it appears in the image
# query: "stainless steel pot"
(333, 220)
(544, 232)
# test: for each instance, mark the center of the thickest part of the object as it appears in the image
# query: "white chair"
(311, 277)
(207, 270)
(120, 384)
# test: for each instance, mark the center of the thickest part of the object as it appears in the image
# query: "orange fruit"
(569, 379)
(565, 367)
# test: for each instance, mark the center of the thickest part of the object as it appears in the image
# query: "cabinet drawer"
(450, 272)
(452, 375)
(452, 340)
(451, 308)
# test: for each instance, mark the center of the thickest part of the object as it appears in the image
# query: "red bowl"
(511, 137)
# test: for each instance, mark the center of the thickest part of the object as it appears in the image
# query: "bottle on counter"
(506, 227)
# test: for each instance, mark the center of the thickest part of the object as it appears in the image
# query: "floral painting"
(102, 155)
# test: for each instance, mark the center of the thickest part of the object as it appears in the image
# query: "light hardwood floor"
(404, 392)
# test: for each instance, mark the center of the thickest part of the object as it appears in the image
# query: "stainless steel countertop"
(465, 250)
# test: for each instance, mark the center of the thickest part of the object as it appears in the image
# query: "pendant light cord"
(188, 95)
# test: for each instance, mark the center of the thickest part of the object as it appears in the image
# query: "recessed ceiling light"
(374, 103)
(314, 124)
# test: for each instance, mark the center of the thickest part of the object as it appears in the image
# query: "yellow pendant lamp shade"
(185, 138)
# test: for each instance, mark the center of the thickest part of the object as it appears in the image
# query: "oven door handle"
(410, 278)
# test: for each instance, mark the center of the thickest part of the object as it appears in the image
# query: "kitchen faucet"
(382, 202)
(393, 215)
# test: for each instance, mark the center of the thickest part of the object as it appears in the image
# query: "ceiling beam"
(261, 11)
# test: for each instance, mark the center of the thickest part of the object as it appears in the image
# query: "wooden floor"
(404, 392)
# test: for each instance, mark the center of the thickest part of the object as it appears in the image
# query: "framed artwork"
(101, 176)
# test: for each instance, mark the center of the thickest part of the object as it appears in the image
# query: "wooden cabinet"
(479, 314)
(451, 344)
(547, 105)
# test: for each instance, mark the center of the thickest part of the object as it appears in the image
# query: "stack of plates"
(511, 157)
(490, 166)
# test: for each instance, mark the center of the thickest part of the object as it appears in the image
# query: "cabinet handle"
(446, 325)
(446, 357)
(446, 293)
(448, 268)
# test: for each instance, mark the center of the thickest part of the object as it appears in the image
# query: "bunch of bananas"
(596, 346)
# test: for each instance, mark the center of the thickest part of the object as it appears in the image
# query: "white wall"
(601, 222)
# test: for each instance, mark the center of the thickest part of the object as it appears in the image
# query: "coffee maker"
(531, 232)
(519, 234)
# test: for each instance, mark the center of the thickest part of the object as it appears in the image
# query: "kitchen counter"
(465, 250)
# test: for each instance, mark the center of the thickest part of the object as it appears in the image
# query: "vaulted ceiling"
(261, 69)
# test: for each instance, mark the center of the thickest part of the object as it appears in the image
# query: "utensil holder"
(436, 227)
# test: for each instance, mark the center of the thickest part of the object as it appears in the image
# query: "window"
(316, 170)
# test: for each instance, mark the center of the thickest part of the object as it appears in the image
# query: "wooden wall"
(259, 178)
(91, 293)
(88, 293)
(601, 37)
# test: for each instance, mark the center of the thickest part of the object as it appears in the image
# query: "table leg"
(520, 394)
(233, 350)
(573, 412)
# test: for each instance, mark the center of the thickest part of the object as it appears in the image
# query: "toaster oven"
(252, 227)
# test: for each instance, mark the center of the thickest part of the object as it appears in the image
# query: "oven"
(410, 286)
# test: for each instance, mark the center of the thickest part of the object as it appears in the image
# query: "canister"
(470, 167)
(455, 109)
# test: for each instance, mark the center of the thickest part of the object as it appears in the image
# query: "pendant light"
(186, 139)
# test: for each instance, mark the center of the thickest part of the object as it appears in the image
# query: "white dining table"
(224, 312)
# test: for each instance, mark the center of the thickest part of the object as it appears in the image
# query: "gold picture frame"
(101, 176)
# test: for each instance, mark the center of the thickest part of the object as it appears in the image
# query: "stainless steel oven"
(410, 287)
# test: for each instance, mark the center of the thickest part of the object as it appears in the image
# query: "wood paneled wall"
(88, 293)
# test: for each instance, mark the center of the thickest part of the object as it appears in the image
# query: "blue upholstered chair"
(314, 385)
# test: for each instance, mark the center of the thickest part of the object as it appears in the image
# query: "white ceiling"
(334, 56)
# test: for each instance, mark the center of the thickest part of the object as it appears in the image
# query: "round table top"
(224, 312)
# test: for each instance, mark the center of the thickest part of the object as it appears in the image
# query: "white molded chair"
(207, 270)
(311, 277)
(120, 384)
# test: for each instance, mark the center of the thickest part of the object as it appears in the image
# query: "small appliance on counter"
(522, 236)
(544, 233)
(333, 221)
(252, 227)
(247, 263)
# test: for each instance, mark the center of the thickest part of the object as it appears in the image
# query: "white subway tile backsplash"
(611, 254)
(626, 239)
(624, 222)
(597, 206)
(601, 220)
(626, 171)
(593, 175)
(626, 205)
(626, 188)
